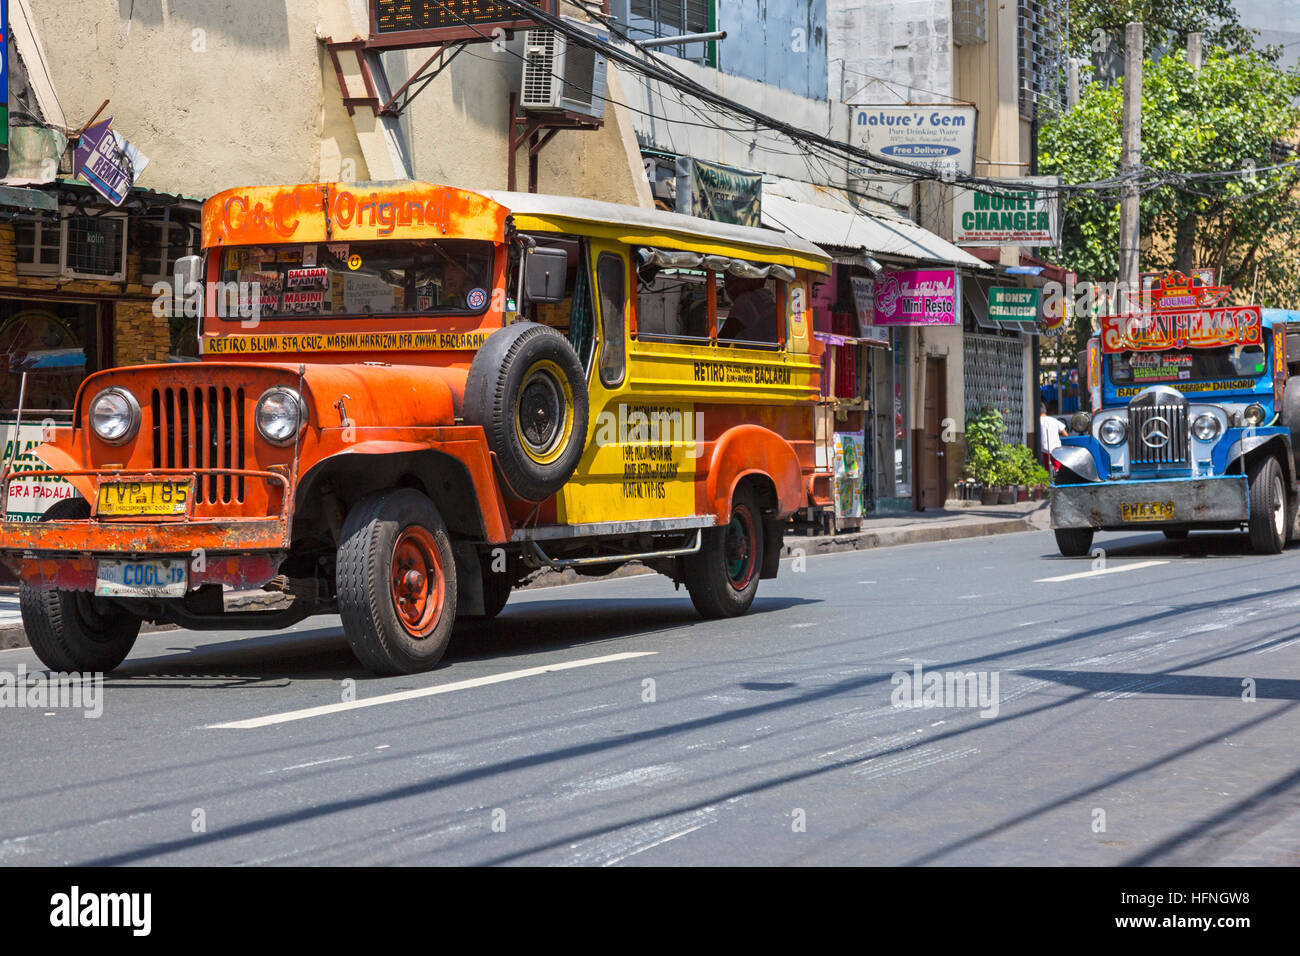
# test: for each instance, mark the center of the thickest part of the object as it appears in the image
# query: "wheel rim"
(418, 586)
(739, 549)
(1279, 507)
(544, 412)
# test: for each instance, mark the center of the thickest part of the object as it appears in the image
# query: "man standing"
(1050, 430)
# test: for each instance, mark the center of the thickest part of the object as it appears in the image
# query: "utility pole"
(1194, 50)
(1072, 83)
(1130, 220)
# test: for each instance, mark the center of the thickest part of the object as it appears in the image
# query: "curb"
(13, 635)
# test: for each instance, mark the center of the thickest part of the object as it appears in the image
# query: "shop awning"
(876, 234)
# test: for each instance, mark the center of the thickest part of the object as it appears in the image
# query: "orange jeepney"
(410, 397)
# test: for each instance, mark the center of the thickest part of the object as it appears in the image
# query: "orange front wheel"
(396, 582)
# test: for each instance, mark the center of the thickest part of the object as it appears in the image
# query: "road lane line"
(405, 695)
(1113, 569)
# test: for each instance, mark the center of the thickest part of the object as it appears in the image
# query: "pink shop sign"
(918, 297)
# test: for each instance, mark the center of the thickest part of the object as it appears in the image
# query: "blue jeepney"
(1190, 427)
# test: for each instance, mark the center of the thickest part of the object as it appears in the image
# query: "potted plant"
(984, 468)
(984, 452)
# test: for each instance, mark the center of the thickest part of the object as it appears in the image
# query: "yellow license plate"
(1147, 511)
(143, 497)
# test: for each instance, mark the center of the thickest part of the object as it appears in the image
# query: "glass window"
(575, 314)
(749, 310)
(161, 244)
(669, 18)
(37, 244)
(55, 343)
(1188, 365)
(610, 279)
(672, 304)
(338, 280)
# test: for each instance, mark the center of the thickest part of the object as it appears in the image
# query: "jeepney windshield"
(1188, 365)
(339, 280)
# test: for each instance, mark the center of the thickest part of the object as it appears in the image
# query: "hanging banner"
(1028, 213)
(936, 138)
(720, 193)
(918, 297)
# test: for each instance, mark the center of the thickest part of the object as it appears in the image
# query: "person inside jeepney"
(752, 316)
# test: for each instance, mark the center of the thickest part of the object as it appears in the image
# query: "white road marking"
(314, 763)
(405, 695)
(1113, 569)
(651, 846)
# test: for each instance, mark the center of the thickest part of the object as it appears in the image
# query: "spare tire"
(527, 389)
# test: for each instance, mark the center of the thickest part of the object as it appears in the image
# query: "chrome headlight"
(1253, 414)
(1112, 431)
(1080, 422)
(281, 414)
(1205, 427)
(114, 415)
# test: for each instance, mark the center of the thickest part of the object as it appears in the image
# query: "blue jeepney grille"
(1158, 434)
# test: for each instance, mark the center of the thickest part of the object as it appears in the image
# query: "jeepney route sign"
(1176, 329)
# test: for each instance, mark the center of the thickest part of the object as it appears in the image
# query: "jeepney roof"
(653, 221)
(1280, 316)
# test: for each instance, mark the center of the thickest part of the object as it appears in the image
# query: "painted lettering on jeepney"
(737, 373)
(1201, 328)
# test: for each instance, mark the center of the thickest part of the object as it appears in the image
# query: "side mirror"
(545, 271)
(189, 269)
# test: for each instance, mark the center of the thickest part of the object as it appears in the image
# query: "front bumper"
(1099, 505)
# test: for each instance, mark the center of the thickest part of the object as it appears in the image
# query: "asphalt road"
(1118, 733)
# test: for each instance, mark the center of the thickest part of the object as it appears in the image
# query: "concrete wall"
(890, 51)
(220, 93)
(214, 92)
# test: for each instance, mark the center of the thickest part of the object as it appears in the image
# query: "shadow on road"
(1202, 544)
(522, 628)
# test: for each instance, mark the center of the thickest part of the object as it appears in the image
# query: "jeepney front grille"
(198, 429)
(1158, 434)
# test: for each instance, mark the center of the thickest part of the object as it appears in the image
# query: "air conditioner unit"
(564, 75)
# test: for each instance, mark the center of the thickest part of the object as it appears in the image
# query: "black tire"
(383, 535)
(722, 577)
(1074, 542)
(527, 389)
(1269, 508)
(1176, 534)
(74, 630)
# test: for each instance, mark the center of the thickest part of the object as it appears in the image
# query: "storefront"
(76, 296)
(888, 382)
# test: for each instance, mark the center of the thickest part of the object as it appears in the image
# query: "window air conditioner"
(563, 75)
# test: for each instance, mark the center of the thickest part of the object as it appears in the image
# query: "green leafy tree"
(1238, 112)
(1165, 23)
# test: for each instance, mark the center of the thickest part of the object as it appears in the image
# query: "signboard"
(720, 193)
(108, 162)
(29, 498)
(1013, 304)
(936, 138)
(421, 22)
(1028, 213)
(1178, 291)
(918, 297)
(864, 299)
(1180, 329)
(847, 454)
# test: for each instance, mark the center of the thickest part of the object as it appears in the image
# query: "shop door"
(934, 470)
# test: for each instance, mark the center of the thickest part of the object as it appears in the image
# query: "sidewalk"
(959, 519)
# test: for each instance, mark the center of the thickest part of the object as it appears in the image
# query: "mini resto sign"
(918, 297)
